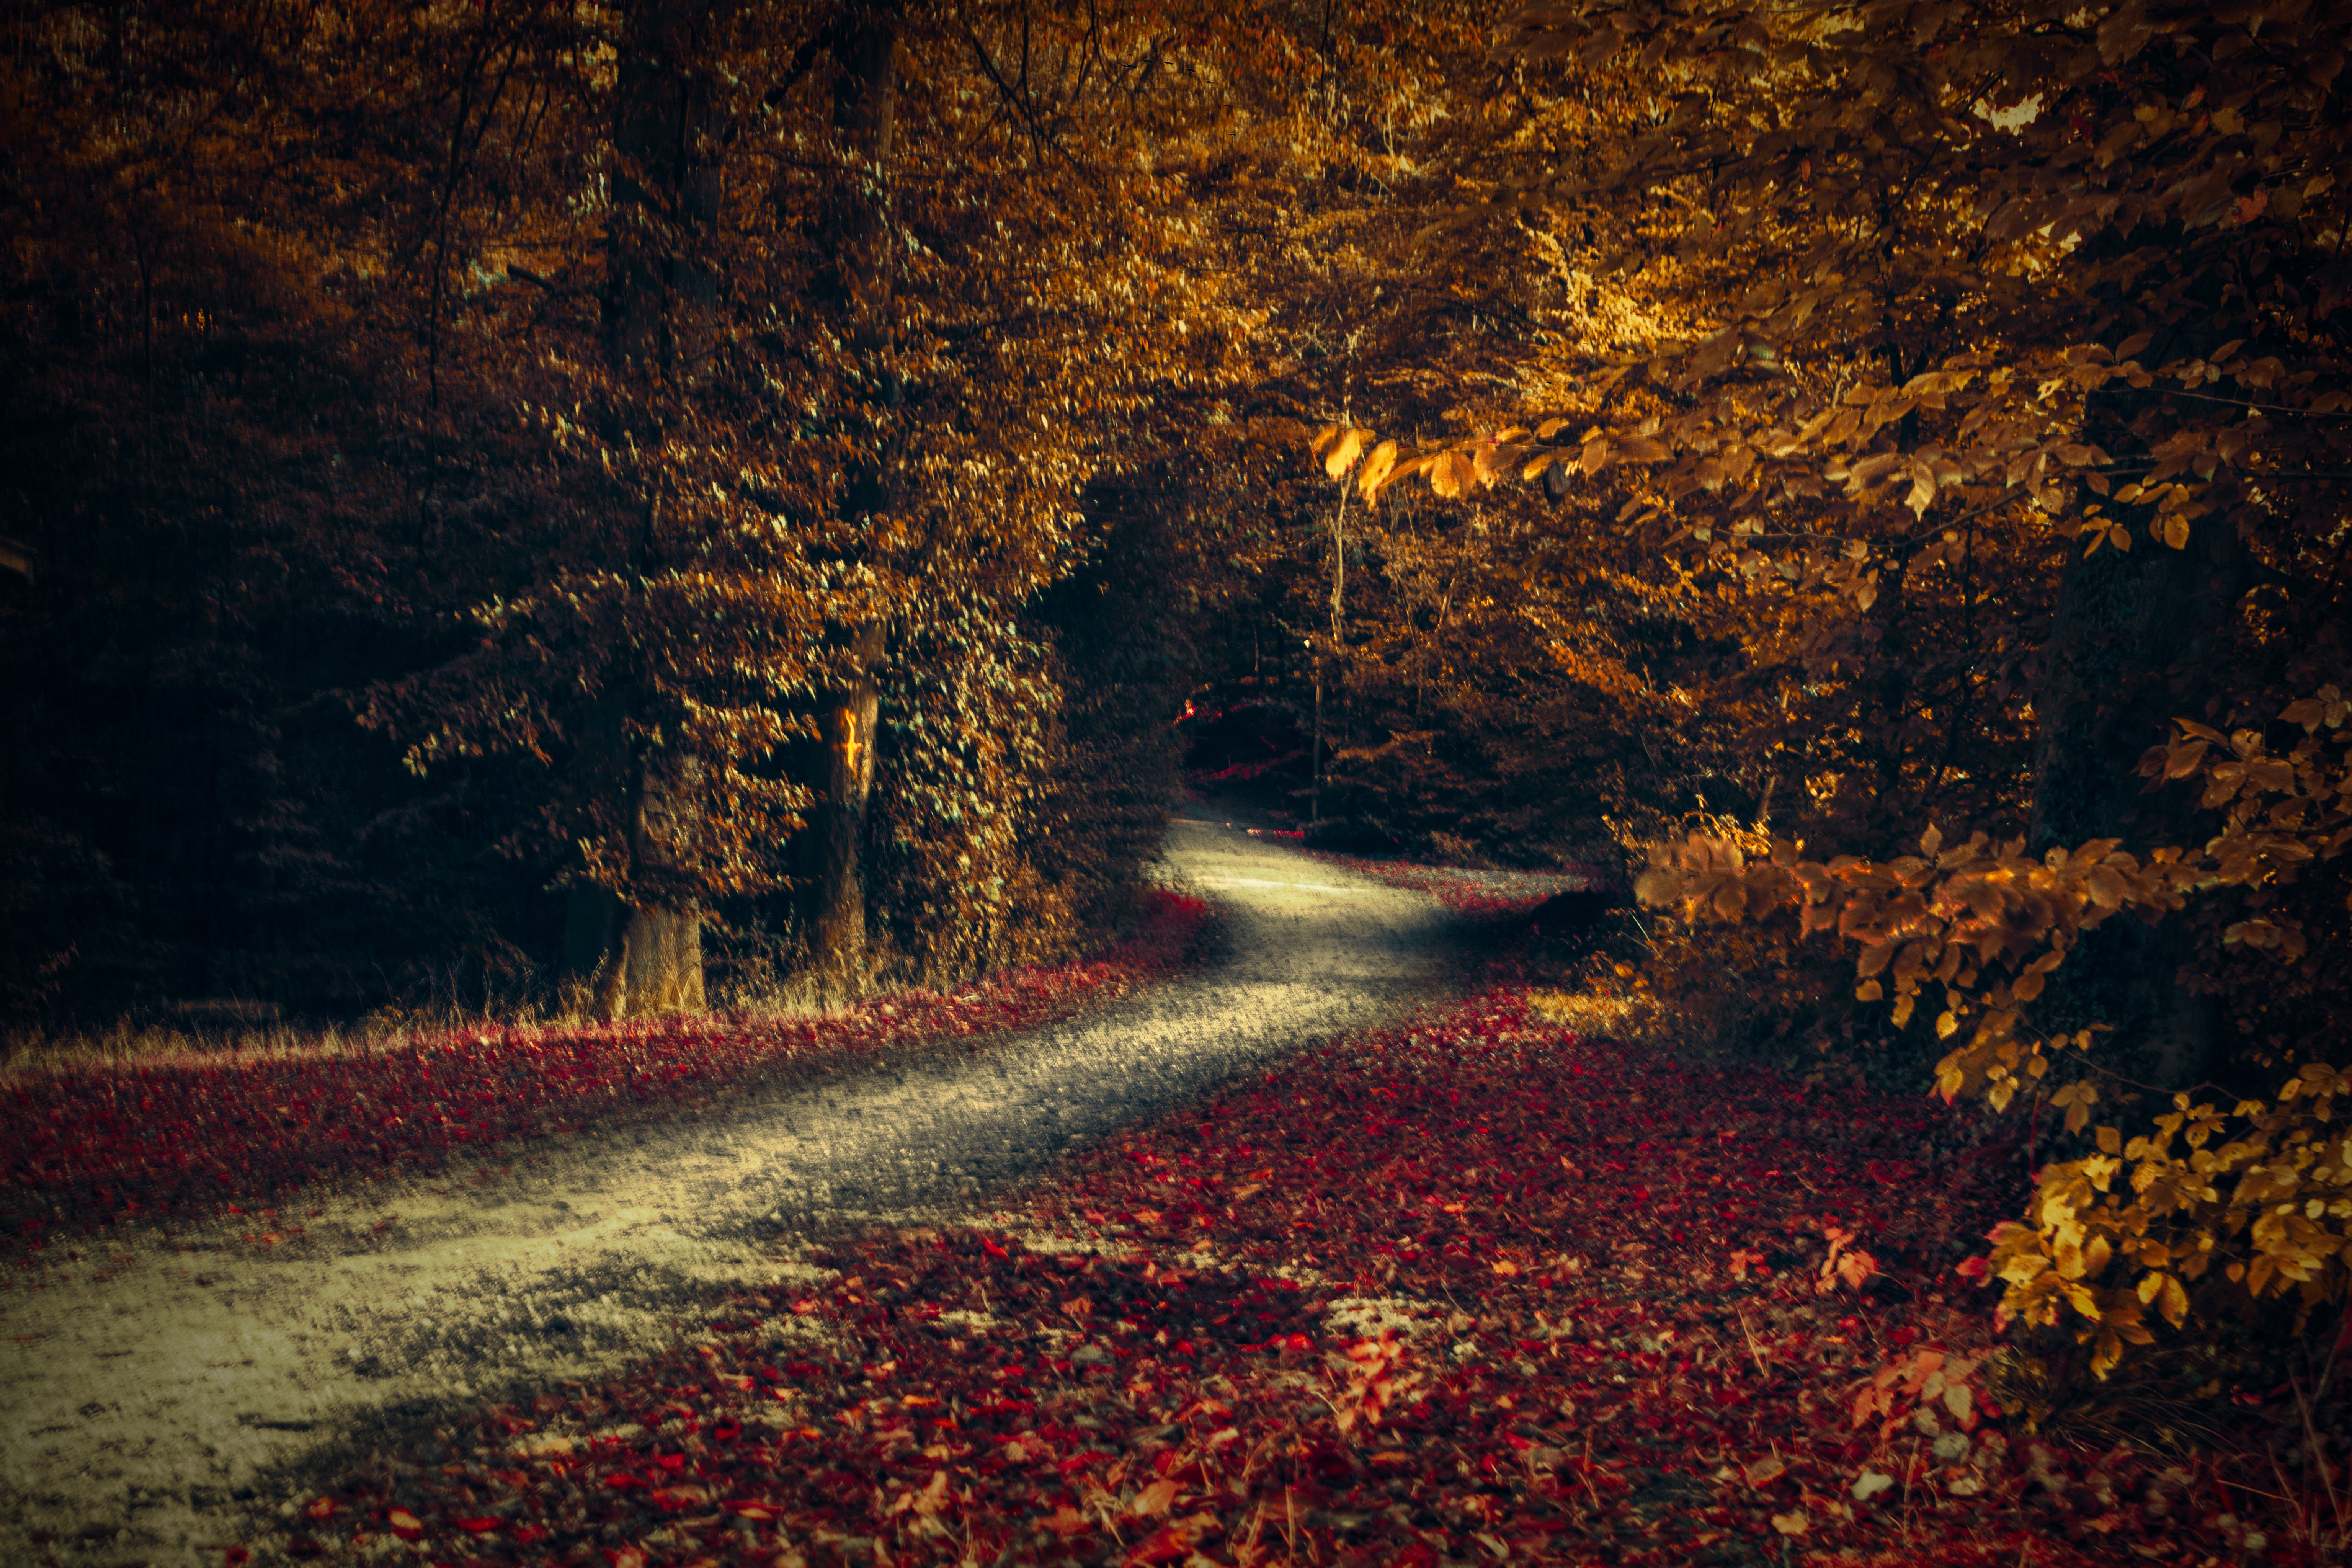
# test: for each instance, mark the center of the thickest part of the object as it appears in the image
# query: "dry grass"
(2051, 1394)
(32, 1053)
(26, 1053)
(1599, 1016)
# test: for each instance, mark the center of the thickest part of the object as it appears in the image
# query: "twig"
(1585, 1475)
(1761, 1369)
(2314, 1456)
(1908, 1466)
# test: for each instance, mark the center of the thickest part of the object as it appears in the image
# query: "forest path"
(149, 1409)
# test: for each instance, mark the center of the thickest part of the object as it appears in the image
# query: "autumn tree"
(675, 417)
(215, 316)
(1471, 668)
(2000, 431)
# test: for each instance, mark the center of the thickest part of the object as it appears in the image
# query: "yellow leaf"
(1450, 473)
(1344, 455)
(1376, 468)
(1923, 492)
(1945, 1025)
(2175, 532)
(1792, 1524)
(2174, 1302)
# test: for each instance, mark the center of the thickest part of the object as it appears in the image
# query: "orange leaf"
(1067, 1521)
(1344, 455)
(1155, 1499)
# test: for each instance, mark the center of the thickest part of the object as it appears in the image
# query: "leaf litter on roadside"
(1470, 891)
(177, 1142)
(1468, 1289)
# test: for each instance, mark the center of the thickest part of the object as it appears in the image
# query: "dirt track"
(149, 1410)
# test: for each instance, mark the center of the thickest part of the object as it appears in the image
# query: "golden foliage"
(2258, 1195)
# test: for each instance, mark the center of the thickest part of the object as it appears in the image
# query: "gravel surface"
(158, 1400)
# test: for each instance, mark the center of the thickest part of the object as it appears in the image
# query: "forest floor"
(1336, 1251)
(225, 1275)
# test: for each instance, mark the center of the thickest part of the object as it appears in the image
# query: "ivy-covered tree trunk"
(832, 894)
(832, 891)
(2132, 636)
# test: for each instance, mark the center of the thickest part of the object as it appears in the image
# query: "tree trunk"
(642, 955)
(831, 898)
(623, 960)
(657, 965)
(2128, 648)
(831, 892)
(661, 296)
(633, 962)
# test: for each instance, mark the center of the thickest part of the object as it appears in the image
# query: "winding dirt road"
(156, 1402)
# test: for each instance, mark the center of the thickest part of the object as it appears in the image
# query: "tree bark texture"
(622, 959)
